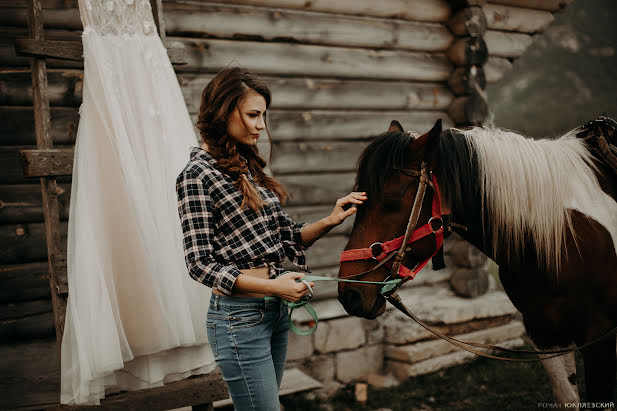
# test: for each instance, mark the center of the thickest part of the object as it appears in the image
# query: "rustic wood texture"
(69, 50)
(65, 89)
(10, 58)
(467, 80)
(45, 163)
(470, 21)
(506, 18)
(469, 283)
(503, 44)
(58, 18)
(308, 60)
(469, 110)
(318, 189)
(15, 310)
(550, 5)
(22, 203)
(26, 242)
(495, 68)
(310, 214)
(159, 18)
(458, 5)
(27, 328)
(24, 282)
(422, 10)
(258, 23)
(468, 51)
(18, 126)
(303, 157)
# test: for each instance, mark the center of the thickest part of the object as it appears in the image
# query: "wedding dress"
(135, 319)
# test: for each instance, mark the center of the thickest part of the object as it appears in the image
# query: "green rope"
(388, 286)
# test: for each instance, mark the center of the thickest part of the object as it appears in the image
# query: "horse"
(543, 210)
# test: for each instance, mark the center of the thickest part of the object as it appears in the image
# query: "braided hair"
(218, 100)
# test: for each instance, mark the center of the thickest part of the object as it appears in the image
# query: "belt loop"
(216, 302)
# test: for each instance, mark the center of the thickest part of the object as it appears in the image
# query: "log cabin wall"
(339, 72)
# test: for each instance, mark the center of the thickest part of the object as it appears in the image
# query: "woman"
(236, 235)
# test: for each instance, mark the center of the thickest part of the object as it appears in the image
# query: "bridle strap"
(413, 218)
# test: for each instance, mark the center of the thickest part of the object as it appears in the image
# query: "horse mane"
(378, 162)
(525, 187)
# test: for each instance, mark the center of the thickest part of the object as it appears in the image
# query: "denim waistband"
(238, 302)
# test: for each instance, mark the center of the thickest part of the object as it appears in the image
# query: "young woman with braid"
(236, 235)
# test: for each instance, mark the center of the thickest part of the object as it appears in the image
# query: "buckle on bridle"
(376, 249)
(436, 223)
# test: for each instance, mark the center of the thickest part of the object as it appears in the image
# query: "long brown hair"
(218, 100)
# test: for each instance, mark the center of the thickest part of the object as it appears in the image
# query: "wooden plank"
(16, 310)
(283, 124)
(518, 19)
(468, 51)
(467, 79)
(26, 242)
(469, 21)
(503, 44)
(550, 5)
(331, 125)
(495, 68)
(45, 163)
(298, 157)
(30, 373)
(308, 60)
(22, 203)
(28, 328)
(24, 282)
(238, 22)
(310, 214)
(422, 10)
(57, 18)
(326, 252)
(64, 87)
(11, 171)
(318, 189)
(10, 58)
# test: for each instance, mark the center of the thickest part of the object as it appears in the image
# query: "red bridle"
(381, 252)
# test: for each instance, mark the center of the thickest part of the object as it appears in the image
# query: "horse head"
(390, 170)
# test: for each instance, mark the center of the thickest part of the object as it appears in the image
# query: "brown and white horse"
(544, 210)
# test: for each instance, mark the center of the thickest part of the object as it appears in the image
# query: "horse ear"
(395, 126)
(427, 141)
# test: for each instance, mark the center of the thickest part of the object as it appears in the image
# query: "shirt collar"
(200, 153)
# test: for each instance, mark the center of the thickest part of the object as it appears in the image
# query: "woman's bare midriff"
(259, 272)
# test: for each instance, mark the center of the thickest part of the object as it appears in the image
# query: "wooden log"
(318, 189)
(299, 157)
(506, 18)
(65, 89)
(469, 110)
(310, 214)
(30, 374)
(24, 282)
(238, 22)
(468, 51)
(550, 5)
(422, 10)
(308, 60)
(18, 126)
(22, 203)
(469, 283)
(458, 5)
(495, 68)
(46, 163)
(21, 309)
(27, 328)
(10, 58)
(470, 21)
(467, 80)
(326, 252)
(57, 18)
(502, 44)
(26, 242)
(10, 166)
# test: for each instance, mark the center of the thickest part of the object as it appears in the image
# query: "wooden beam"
(421, 10)
(18, 127)
(517, 19)
(318, 189)
(46, 163)
(467, 79)
(27, 328)
(468, 51)
(15, 310)
(469, 110)
(495, 68)
(24, 282)
(504, 44)
(313, 61)
(24, 243)
(22, 203)
(310, 214)
(298, 157)
(280, 25)
(469, 21)
(550, 5)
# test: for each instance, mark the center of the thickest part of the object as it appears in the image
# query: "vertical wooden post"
(49, 188)
(159, 19)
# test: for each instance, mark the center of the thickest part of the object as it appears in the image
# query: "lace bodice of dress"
(117, 17)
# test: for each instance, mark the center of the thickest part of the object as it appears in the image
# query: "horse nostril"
(351, 300)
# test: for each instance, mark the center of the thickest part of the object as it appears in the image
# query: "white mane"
(529, 186)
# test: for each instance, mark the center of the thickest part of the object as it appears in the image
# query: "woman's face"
(248, 119)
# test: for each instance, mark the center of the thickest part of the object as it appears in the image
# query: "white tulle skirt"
(135, 319)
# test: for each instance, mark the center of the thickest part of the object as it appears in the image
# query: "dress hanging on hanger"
(135, 319)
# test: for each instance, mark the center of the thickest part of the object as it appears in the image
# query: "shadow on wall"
(566, 77)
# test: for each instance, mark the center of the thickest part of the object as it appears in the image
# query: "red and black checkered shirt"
(220, 238)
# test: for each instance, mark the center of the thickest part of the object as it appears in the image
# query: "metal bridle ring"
(373, 248)
(438, 219)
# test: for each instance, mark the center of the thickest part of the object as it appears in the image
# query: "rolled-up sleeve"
(291, 236)
(195, 207)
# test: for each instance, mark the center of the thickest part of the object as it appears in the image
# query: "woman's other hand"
(287, 288)
(341, 212)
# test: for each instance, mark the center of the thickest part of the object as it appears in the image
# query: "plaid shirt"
(220, 238)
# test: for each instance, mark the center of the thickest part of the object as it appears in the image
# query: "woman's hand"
(339, 214)
(287, 288)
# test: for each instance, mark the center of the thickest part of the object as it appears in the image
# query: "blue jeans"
(248, 337)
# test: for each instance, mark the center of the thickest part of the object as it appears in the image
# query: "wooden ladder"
(48, 163)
